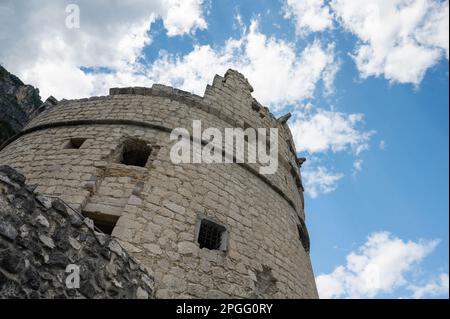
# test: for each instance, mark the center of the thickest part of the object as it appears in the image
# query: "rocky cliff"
(40, 238)
(17, 104)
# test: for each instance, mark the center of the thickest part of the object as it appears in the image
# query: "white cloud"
(329, 76)
(278, 74)
(183, 16)
(357, 166)
(323, 130)
(318, 131)
(309, 15)
(37, 46)
(44, 53)
(382, 145)
(238, 23)
(379, 266)
(433, 288)
(320, 180)
(398, 39)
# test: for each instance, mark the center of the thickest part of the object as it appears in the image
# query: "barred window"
(211, 235)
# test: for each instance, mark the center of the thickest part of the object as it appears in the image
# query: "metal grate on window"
(210, 234)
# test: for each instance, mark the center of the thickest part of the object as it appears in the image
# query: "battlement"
(232, 87)
(233, 82)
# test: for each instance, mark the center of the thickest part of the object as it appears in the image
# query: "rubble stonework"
(156, 209)
(39, 238)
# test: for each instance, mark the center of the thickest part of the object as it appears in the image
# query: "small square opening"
(75, 143)
(104, 226)
(211, 235)
(135, 153)
(102, 222)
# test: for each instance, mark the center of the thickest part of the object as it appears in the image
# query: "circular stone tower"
(205, 230)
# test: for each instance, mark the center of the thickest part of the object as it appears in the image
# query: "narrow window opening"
(211, 235)
(303, 235)
(105, 227)
(288, 142)
(75, 143)
(135, 153)
(102, 222)
(246, 126)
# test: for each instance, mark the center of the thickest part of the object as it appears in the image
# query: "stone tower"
(203, 230)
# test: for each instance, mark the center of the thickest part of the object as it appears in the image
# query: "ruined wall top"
(227, 102)
(229, 97)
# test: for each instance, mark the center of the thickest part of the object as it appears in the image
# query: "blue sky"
(367, 83)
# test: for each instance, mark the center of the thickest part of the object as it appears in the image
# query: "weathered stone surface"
(47, 241)
(43, 221)
(153, 249)
(33, 264)
(157, 207)
(7, 230)
(187, 248)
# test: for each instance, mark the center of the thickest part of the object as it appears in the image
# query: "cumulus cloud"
(318, 131)
(398, 39)
(309, 15)
(434, 288)
(329, 76)
(322, 130)
(278, 74)
(379, 266)
(40, 49)
(319, 180)
(357, 166)
(109, 44)
(183, 16)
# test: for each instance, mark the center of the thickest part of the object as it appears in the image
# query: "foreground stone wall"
(157, 207)
(40, 237)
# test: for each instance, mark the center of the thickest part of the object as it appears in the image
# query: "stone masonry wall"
(160, 111)
(40, 237)
(158, 206)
